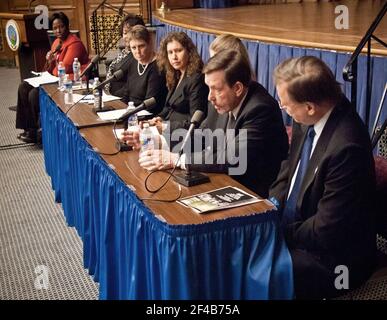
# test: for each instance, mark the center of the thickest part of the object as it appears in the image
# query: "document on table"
(43, 78)
(90, 98)
(219, 199)
(115, 114)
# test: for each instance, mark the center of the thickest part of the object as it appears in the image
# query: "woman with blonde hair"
(229, 41)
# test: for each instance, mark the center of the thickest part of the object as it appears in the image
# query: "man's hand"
(157, 159)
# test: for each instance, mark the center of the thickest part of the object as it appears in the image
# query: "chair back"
(381, 194)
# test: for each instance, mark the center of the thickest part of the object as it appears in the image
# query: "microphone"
(118, 75)
(189, 178)
(196, 120)
(90, 65)
(143, 106)
(30, 5)
(58, 47)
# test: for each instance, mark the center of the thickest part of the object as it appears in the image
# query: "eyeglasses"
(282, 107)
(286, 106)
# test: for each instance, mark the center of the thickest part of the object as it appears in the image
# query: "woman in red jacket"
(64, 49)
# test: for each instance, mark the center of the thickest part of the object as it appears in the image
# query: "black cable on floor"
(15, 146)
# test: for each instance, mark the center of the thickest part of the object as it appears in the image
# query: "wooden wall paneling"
(83, 26)
(4, 6)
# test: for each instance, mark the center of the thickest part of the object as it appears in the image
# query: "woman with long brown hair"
(187, 92)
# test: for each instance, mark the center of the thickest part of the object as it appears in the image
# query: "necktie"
(231, 121)
(230, 132)
(289, 213)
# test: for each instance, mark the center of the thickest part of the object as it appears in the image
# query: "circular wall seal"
(12, 34)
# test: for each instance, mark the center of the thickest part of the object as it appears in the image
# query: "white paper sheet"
(115, 114)
(44, 78)
(90, 98)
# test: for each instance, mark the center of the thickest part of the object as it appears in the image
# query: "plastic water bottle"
(68, 85)
(146, 138)
(76, 70)
(61, 75)
(132, 120)
(98, 103)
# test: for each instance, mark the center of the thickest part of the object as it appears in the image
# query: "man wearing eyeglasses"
(325, 187)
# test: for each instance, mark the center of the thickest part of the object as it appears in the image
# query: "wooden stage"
(310, 24)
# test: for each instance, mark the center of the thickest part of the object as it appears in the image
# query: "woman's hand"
(50, 57)
(158, 123)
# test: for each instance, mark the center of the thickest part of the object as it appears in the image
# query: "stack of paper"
(44, 78)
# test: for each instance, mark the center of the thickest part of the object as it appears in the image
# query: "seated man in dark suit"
(325, 187)
(252, 153)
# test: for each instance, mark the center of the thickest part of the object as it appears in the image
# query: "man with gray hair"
(325, 187)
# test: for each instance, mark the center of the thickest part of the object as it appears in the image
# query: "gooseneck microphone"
(57, 49)
(90, 65)
(143, 106)
(118, 75)
(196, 120)
(189, 178)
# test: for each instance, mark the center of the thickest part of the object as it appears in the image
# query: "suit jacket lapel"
(319, 151)
(169, 96)
(174, 95)
(243, 107)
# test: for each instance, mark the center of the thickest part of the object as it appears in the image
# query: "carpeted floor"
(40, 256)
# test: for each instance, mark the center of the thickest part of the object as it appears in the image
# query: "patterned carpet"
(40, 256)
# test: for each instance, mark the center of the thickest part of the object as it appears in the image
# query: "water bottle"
(76, 71)
(68, 85)
(146, 138)
(61, 75)
(132, 120)
(98, 103)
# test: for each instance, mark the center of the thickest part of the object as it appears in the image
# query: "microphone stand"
(101, 106)
(190, 178)
(88, 76)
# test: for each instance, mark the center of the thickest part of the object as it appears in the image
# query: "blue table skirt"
(133, 255)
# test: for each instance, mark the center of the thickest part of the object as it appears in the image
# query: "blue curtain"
(134, 255)
(213, 3)
(265, 56)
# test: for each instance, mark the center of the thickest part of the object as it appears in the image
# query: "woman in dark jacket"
(187, 92)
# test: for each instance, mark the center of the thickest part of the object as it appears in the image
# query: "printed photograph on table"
(219, 199)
